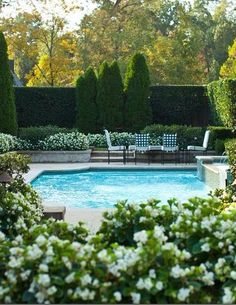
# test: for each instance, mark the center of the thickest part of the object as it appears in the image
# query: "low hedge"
(218, 136)
(222, 95)
(39, 133)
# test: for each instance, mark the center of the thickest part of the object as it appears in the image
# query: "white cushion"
(116, 148)
(170, 148)
(154, 147)
(198, 148)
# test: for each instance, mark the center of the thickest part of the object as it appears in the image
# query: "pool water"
(103, 188)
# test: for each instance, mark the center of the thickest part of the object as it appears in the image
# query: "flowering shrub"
(123, 138)
(62, 141)
(188, 257)
(7, 142)
(20, 205)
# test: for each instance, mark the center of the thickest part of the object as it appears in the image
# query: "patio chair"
(111, 148)
(204, 144)
(141, 144)
(170, 145)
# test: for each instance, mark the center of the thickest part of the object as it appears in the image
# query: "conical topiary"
(137, 86)
(110, 96)
(8, 122)
(86, 109)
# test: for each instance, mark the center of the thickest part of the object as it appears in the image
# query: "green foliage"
(218, 135)
(45, 106)
(222, 96)
(86, 108)
(219, 146)
(186, 135)
(110, 97)
(20, 205)
(8, 121)
(122, 138)
(230, 146)
(35, 134)
(180, 105)
(137, 104)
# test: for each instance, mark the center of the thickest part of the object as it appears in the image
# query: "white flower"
(41, 240)
(34, 252)
(183, 294)
(70, 278)
(52, 290)
(233, 275)
(141, 237)
(117, 296)
(177, 272)
(44, 280)
(205, 247)
(208, 278)
(86, 279)
(135, 297)
(159, 285)
(40, 297)
(228, 296)
(2, 236)
(152, 273)
(43, 268)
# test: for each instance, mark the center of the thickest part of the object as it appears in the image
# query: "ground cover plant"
(154, 252)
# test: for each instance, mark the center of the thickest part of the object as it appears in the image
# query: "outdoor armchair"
(204, 144)
(111, 148)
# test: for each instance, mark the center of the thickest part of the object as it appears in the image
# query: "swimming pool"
(103, 188)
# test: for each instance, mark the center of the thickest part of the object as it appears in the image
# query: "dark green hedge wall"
(45, 106)
(222, 96)
(182, 105)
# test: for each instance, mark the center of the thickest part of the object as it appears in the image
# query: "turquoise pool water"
(103, 188)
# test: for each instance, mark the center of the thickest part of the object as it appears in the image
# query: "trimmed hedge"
(182, 105)
(222, 96)
(45, 106)
(186, 105)
(230, 146)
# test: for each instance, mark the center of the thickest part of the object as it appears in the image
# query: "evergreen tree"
(86, 109)
(137, 86)
(8, 122)
(110, 96)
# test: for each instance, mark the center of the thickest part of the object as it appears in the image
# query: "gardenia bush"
(9, 143)
(62, 141)
(173, 253)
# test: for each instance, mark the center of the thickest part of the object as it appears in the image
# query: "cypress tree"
(8, 122)
(86, 109)
(137, 86)
(110, 96)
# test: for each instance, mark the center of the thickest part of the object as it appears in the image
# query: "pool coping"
(37, 169)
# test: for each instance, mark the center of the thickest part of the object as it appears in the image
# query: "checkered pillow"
(142, 140)
(169, 140)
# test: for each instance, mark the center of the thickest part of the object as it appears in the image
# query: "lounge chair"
(170, 145)
(111, 148)
(204, 144)
(141, 144)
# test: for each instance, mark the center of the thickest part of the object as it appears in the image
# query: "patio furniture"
(141, 144)
(204, 144)
(153, 150)
(170, 146)
(202, 148)
(111, 148)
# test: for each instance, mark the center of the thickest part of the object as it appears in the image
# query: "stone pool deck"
(92, 217)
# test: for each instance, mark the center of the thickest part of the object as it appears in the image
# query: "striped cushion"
(142, 140)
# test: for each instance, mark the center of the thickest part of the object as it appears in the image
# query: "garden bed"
(81, 156)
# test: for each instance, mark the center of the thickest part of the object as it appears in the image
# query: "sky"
(73, 18)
